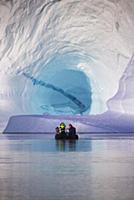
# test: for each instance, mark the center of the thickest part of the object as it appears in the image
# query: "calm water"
(37, 167)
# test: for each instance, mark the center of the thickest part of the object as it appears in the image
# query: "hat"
(62, 125)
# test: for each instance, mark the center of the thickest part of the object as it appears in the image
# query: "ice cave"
(66, 60)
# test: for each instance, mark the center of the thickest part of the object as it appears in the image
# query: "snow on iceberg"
(123, 101)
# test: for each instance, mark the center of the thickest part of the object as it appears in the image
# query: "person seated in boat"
(57, 131)
(62, 129)
(72, 130)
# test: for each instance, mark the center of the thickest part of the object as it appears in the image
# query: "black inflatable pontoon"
(61, 137)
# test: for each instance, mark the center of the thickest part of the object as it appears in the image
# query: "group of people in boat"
(63, 132)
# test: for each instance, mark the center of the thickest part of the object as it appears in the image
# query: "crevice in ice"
(82, 108)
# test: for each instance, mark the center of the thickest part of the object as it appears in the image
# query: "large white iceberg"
(67, 58)
(118, 118)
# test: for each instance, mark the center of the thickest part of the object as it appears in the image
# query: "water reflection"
(41, 143)
(63, 145)
(73, 145)
(41, 168)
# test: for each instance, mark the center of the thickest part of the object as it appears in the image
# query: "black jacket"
(72, 131)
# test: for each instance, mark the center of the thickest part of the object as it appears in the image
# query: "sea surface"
(96, 167)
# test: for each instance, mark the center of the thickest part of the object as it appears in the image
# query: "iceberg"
(66, 60)
(119, 117)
